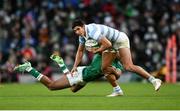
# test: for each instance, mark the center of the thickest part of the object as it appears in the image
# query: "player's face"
(80, 31)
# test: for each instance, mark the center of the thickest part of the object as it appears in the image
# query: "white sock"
(151, 79)
(39, 77)
(117, 89)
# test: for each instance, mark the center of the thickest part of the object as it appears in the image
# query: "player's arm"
(116, 72)
(104, 44)
(79, 56)
(76, 87)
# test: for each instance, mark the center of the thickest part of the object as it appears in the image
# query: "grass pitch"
(137, 96)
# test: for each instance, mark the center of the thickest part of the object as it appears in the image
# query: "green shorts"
(93, 71)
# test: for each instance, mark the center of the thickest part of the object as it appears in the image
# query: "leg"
(126, 60)
(52, 85)
(112, 77)
(55, 85)
(108, 71)
(76, 87)
(116, 72)
(107, 58)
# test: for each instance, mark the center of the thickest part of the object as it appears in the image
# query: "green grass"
(137, 96)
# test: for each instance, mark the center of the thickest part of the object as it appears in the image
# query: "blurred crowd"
(34, 29)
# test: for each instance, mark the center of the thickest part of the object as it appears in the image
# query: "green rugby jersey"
(93, 71)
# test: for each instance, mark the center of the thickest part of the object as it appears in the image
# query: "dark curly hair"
(77, 22)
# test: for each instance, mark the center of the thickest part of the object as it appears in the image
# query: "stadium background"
(34, 29)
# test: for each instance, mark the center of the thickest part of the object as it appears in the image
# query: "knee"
(129, 67)
(106, 70)
(103, 69)
(118, 74)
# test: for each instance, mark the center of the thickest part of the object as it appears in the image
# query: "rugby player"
(109, 38)
(78, 79)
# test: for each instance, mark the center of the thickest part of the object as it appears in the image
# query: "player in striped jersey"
(110, 77)
(109, 38)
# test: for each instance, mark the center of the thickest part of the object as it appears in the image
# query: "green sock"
(35, 73)
(63, 67)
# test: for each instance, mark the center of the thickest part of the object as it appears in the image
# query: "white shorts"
(122, 41)
(77, 77)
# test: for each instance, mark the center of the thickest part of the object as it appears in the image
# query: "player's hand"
(74, 69)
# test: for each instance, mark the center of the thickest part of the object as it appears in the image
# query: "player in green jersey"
(78, 79)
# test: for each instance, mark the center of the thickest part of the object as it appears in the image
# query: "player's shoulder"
(92, 27)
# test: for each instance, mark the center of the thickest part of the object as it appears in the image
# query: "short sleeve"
(95, 32)
(82, 40)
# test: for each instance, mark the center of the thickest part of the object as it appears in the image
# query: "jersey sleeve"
(95, 32)
(82, 40)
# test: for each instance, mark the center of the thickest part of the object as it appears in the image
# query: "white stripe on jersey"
(104, 30)
(111, 33)
(96, 31)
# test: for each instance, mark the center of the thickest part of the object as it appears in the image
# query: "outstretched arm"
(78, 58)
(76, 87)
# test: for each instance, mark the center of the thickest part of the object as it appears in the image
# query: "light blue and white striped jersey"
(97, 31)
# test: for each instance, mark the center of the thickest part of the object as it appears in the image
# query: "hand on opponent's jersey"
(74, 69)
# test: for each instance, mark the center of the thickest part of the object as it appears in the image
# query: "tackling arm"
(104, 44)
(79, 56)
